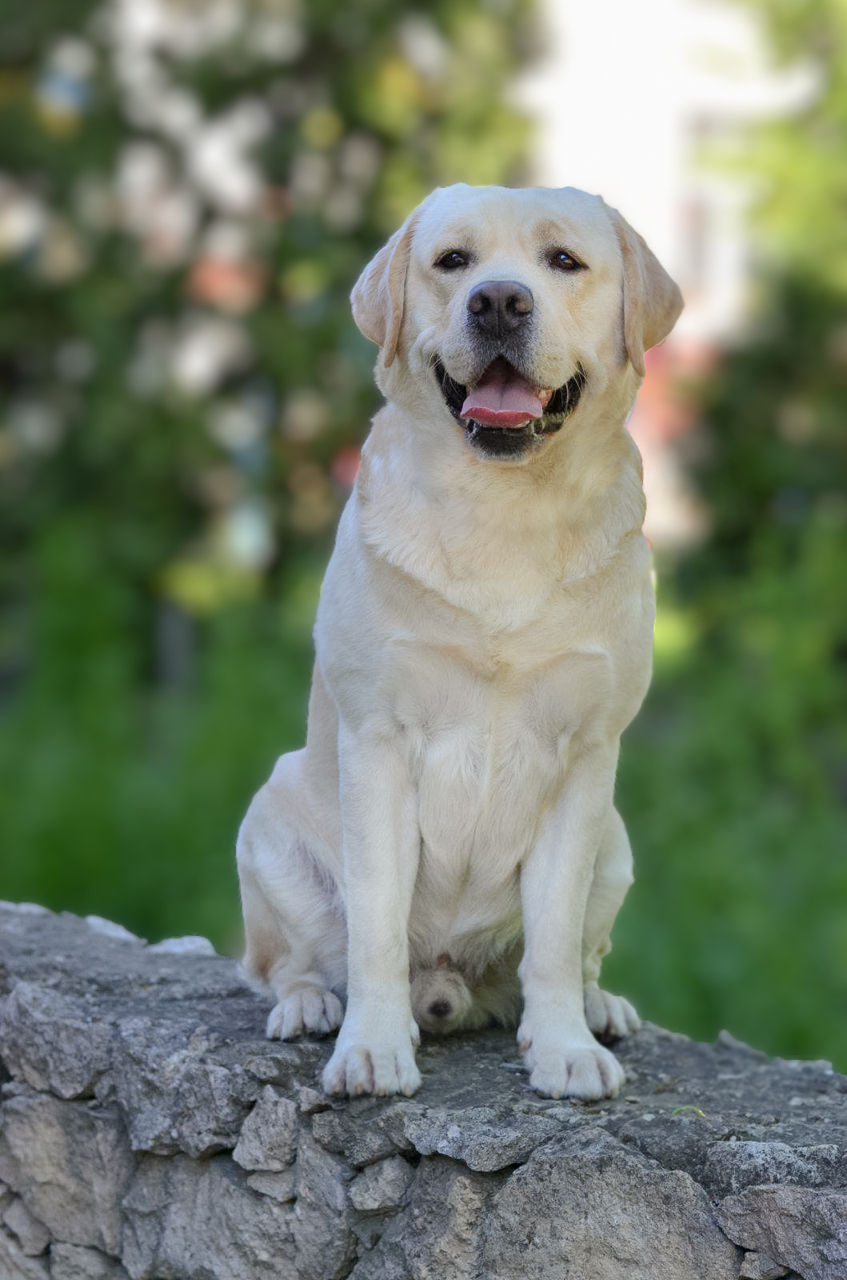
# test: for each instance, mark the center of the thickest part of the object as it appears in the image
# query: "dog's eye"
(561, 260)
(452, 260)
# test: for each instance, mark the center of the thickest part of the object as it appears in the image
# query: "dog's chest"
(488, 750)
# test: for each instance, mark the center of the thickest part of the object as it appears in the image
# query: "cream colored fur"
(447, 839)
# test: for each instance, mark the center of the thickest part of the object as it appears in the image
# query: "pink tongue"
(502, 398)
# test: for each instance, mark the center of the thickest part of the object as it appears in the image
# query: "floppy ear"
(651, 300)
(379, 294)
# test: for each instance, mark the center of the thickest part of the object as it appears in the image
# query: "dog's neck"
(499, 539)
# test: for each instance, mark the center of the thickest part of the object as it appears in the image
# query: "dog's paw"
(306, 1011)
(607, 1015)
(380, 1064)
(565, 1067)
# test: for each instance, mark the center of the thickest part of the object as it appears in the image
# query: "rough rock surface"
(149, 1131)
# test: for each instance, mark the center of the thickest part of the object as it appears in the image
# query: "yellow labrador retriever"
(445, 850)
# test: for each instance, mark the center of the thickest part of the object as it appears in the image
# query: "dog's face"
(511, 305)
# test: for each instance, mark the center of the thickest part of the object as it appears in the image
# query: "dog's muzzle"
(503, 413)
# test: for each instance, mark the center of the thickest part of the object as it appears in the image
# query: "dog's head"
(515, 306)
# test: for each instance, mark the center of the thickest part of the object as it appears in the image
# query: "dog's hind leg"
(293, 919)
(606, 1014)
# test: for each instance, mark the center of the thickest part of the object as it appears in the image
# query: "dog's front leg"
(375, 1052)
(562, 1055)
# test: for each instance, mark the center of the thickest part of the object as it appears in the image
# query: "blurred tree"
(777, 460)
(735, 776)
(774, 466)
(800, 158)
(188, 189)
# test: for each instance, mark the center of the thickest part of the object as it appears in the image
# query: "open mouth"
(505, 415)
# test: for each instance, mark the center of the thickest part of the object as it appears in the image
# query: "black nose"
(441, 1008)
(500, 306)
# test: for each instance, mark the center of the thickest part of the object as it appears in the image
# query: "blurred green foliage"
(799, 158)
(734, 778)
(185, 201)
(166, 516)
(733, 782)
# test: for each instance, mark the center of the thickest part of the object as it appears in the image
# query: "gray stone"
(198, 1220)
(381, 1186)
(311, 1101)
(268, 1138)
(363, 1132)
(51, 1041)
(731, 1166)
(174, 1097)
(758, 1266)
(801, 1228)
(279, 1186)
(73, 1262)
(31, 1235)
(440, 1233)
(484, 1139)
(475, 1178)
(323, 1237)
(109, 929)
(14, 1263)
(191, 945)
(69, 1162)
(584, 1207)
(285, 1065)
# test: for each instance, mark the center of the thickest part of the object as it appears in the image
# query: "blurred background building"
(188, 189)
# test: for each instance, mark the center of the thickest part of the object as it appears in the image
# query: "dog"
(445, 852)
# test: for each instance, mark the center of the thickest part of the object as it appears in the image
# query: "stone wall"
(148, 1130)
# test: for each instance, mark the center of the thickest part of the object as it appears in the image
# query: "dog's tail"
(441, 999)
